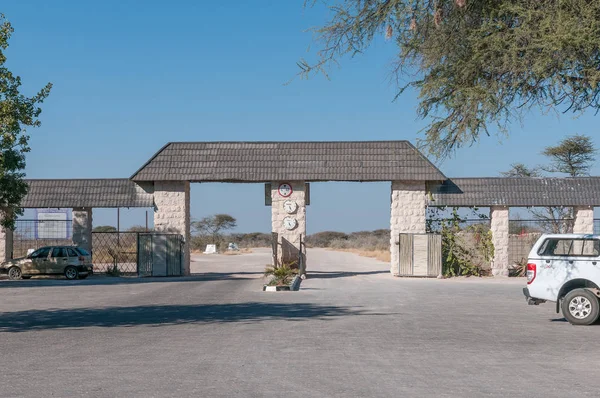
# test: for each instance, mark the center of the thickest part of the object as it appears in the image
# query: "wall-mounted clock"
(289, 223)
(290, 206)
(285, 189)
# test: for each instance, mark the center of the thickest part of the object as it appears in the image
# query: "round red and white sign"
(285, 189)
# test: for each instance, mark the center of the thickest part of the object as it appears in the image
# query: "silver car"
(71, 261)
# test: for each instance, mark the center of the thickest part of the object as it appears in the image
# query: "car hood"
(15, 261)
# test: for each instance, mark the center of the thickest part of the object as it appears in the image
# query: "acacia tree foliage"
(573, 156)
(476, 64)
(214, 225)
(16, 113)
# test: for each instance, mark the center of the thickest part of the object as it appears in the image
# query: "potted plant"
(281, 277)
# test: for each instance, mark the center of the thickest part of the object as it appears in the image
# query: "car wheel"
(14, 273)
(581, 307)
(71, 273)
(82, 276)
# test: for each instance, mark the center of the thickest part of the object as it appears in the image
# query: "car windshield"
(41, 253)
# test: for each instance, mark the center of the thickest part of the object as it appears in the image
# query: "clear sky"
(131, 75)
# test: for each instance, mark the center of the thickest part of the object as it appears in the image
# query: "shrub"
(324, 239)
(280, 276)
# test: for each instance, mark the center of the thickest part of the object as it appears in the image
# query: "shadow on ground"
(164, 315)
(340, 274)
(105, 280)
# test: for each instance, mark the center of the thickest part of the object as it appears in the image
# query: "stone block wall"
(172, 212)
(499, 217)
(82, 228)
(408, 209)
(584, 220)
(6, 244)
(289, 240)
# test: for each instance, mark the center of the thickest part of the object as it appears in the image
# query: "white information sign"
(52, 224)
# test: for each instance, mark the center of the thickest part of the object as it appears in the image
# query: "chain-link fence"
(33, 234)
(109, 249)
(115, 251)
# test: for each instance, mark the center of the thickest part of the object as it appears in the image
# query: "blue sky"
(130, 76)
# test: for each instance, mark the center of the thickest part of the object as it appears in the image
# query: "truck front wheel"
(581, 307)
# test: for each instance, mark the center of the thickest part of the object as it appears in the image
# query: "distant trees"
(210, 229)
(573, 156)
(104, 228)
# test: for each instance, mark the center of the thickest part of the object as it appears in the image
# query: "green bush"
(280, 276)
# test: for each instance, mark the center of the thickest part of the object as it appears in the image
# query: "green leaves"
(478, 65)
(17, 112)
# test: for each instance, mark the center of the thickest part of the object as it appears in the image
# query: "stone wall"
(82, 228)
(6, 244)
(172, 212)
(407, 215)
(289, 240)
(584, 220)
(499, 217)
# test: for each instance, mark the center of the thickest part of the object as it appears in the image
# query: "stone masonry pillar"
(584, 220)
(82, 227)
(288, 218)
(499, 225)
(408, 208)
(172, 213)
(6, 244)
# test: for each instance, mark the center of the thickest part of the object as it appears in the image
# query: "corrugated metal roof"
(277, 161)
(87, 193)
(516, 191)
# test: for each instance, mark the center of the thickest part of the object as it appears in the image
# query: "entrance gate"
(160, 254)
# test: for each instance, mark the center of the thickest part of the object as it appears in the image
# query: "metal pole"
(146, 220)
(118, 227)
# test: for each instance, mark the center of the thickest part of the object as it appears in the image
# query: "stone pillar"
(172, 212)
(82, 227)
(499, 216)
(408, 208)
(6, 244)
(288, 218)
(584, 220)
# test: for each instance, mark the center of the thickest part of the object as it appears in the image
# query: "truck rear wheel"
(581, 307)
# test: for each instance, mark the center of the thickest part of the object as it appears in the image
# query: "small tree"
(214, 225)
(573, 156)
(16, 113)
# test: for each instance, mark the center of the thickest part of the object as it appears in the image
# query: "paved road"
(352, 331)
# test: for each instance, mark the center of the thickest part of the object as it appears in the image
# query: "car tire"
(71, 273)
(14, 273)
(82, 276)
(581, 307)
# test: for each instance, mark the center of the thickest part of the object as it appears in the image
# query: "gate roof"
(280, 161)
(117, 192)
(516, 192)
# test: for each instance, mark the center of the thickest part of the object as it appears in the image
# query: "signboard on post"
(53, 224)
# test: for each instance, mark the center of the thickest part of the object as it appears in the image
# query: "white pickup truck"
(565, 269)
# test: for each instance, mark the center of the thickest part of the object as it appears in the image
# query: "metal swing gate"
(160, 254)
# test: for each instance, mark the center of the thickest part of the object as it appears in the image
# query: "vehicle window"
(82, 251)
(59, 252)
(570, 247)
(72, 253)
(41, 253)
